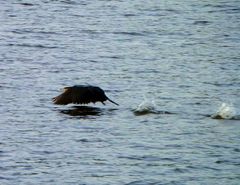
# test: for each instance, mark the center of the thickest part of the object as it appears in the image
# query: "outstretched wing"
(81, 95)
(76, 95)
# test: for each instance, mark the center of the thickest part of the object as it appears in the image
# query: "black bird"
(81, 94)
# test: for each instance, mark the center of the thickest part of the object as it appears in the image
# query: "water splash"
(225, 111)
(145, 107)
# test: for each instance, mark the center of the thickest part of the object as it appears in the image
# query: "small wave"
(226, 111)
(34, 31)
(201, 22)
(26, 4)
(33, 46)
(129, 33)
(129, 15)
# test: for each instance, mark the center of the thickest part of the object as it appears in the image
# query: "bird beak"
(113, 102)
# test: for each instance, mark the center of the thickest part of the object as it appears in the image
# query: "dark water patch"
(223, 5)
(40, 46)
(233, 10)
(223, 84)
(6, 178)
(89, 140)
(26, 4)
(113, 57)
(158, 12)
(27, 31)
(44, 152)
(5, 153)
(146, 147)
(210, 168)
(129, 15)
(201, 22)
(147, 71)
(230, 162)
(150, 182)
(220, 146)
(129, 33)
(71, 2)
(12, 15)
(171, 10)
(90, 31)
(181, 170)
(93, 61)
(226, 9)
(137, 182)
(236, 150)
(148, 158)
(174, 145)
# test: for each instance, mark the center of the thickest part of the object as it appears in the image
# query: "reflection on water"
(83, 111)
(87, 111)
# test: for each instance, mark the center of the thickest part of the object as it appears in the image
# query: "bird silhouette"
(81, 94)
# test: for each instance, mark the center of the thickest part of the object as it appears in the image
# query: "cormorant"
(81, 94)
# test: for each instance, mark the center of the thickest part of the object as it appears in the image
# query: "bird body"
(81, 94)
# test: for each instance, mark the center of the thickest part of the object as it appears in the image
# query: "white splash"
(225, 111)
(145, 107)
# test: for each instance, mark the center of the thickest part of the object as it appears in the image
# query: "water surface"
(184, 56)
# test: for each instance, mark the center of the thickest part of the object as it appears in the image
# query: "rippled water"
(183, 56)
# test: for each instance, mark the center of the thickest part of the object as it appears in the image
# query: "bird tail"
(112, 101)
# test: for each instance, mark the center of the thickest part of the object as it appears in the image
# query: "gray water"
(181, 55)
